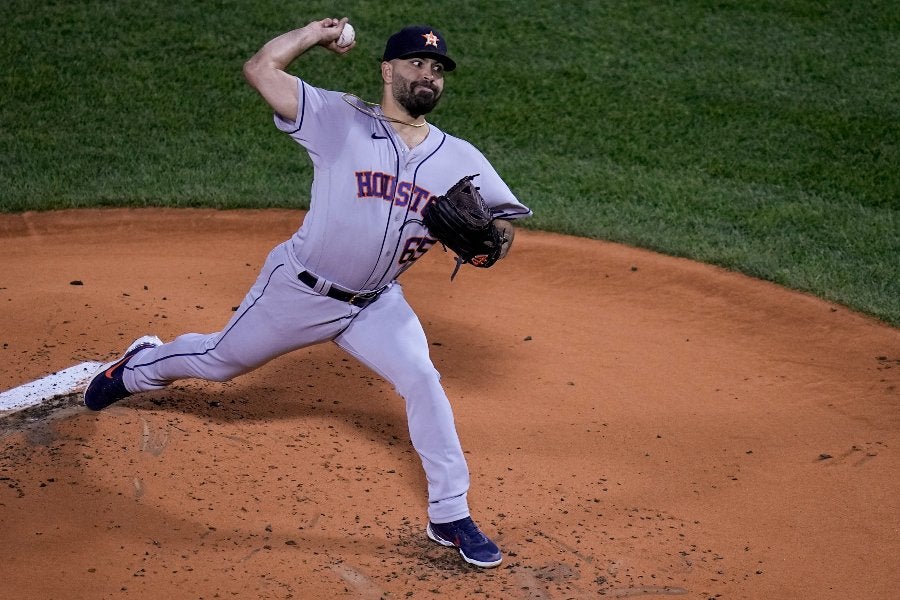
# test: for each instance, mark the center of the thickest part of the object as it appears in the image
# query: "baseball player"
(375, 168)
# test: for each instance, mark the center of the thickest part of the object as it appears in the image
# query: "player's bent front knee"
(423, 382)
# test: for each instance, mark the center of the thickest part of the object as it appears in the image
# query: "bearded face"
(417, 96)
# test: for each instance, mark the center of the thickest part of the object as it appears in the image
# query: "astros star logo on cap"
(430, 39)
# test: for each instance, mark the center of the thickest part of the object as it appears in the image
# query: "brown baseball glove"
(462, 221)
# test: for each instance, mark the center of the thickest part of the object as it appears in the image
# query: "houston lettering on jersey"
(374, 184)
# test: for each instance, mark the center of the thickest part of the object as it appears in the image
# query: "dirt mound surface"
(636, 426)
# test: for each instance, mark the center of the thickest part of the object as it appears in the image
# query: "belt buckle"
(366, 297)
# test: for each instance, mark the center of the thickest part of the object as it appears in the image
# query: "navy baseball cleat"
(106, 386)
(474, 546)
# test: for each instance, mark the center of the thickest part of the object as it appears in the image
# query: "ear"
(387, 71)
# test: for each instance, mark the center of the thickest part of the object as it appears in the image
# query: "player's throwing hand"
(329, 31)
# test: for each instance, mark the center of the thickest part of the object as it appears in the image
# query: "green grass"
(757, 135)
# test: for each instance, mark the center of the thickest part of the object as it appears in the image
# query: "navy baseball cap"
(418, 40)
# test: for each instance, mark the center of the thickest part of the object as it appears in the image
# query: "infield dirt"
(636, 426)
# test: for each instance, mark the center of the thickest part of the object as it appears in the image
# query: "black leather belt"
(360, 299)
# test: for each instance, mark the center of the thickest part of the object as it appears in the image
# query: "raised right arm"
(265, 71)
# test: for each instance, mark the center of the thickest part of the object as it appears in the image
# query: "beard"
(415, 97)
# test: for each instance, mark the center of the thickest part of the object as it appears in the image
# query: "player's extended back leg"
(279, 314)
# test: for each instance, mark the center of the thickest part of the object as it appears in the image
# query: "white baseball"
(347, 36)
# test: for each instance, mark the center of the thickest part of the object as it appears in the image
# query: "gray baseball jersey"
(364, 224)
